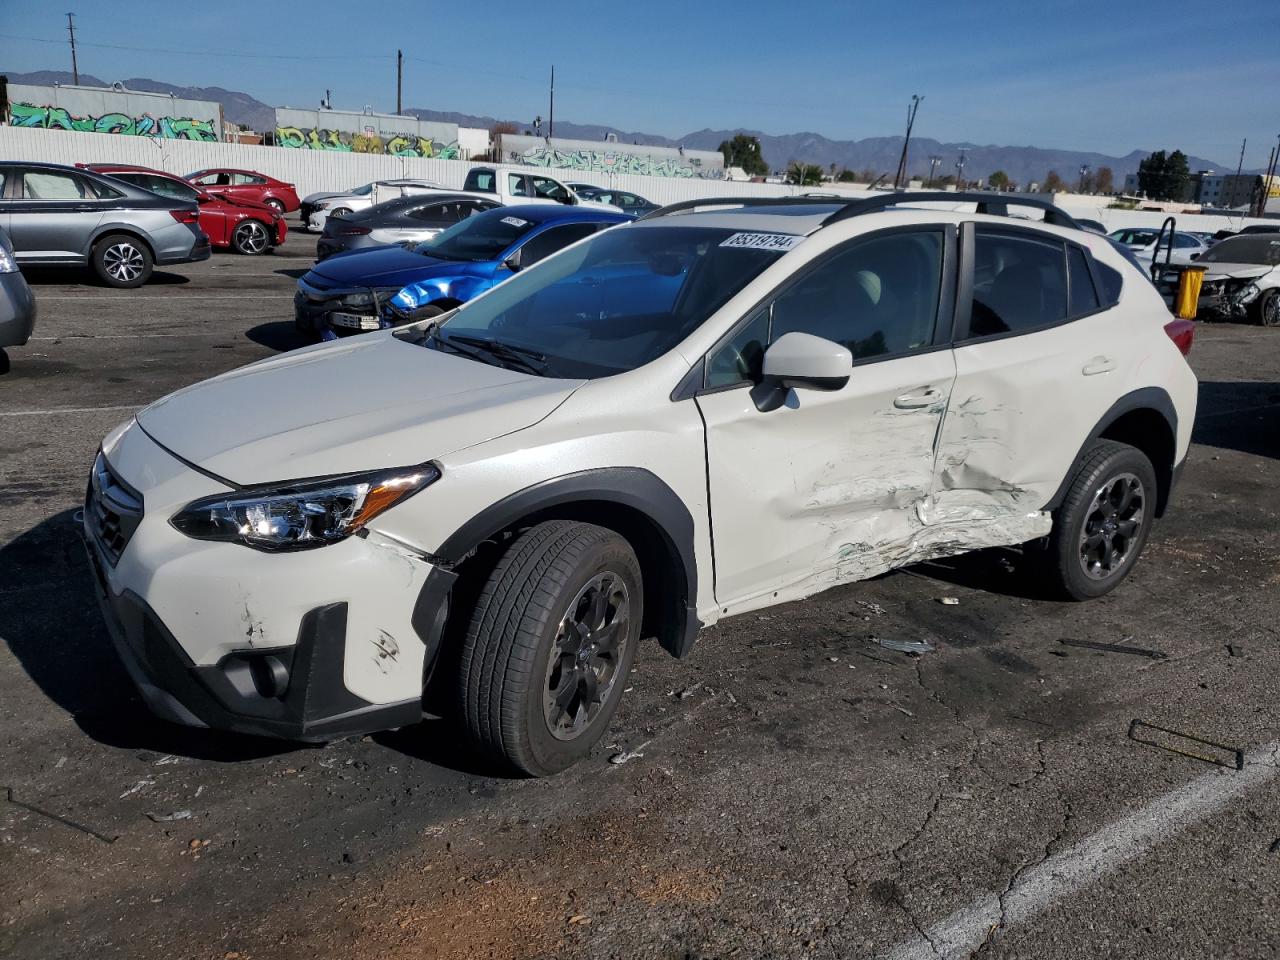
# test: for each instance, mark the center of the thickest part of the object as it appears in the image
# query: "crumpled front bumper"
(308, 645)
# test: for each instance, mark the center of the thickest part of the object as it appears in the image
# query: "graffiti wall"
(113, 110)
(346, 132)
(608, 157)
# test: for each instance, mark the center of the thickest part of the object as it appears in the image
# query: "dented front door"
(814, 487)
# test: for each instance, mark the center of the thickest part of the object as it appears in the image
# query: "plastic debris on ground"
(904, 646)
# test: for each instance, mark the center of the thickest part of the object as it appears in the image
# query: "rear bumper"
(201, 249)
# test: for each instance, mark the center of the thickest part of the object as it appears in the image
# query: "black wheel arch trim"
(1144, 398)
(631, 487)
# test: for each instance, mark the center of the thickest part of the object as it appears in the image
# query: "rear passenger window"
(1109, 283)
(1019, 283)
(1084, 299)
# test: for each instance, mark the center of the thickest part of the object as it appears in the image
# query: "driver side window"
(877, 297)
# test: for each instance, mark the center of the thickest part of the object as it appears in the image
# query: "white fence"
(314, 170)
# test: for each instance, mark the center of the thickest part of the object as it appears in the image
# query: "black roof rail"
(683, 205)
(993, 204)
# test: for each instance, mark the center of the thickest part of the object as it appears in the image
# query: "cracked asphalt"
(792, 789)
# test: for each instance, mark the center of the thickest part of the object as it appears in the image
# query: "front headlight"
(298, 516)
(7, 263)
(357, 300)
(1248, 293)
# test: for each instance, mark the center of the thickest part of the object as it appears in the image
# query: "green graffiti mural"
(614, 161)
(367, 141)
(165, 128)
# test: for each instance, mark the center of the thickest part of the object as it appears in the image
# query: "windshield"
(477, 238)
(362, 191)
(1262, 249)
(618, 300)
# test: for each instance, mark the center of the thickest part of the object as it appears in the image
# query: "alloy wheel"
(123, 261)
(582, 669)
(252, 236)
(1271, 311)
(1112, 525)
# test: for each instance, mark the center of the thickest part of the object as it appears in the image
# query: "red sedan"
(243, 225)
(247, 185)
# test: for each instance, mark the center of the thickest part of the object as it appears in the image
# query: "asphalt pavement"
(793, 789)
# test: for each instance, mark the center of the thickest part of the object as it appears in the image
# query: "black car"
(402, 220)
(631, 203)
(17, 305)
(64, 216)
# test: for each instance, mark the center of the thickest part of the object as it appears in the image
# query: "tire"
(521, 646)
(279, 207)
(1099, 532)
(251, 238)
(122, 261)
(340, 212)
(1269, 309)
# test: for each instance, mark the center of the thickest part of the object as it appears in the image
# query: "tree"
(999, 180)
(744, 151)
(1104, 181)
(847, 176)
(804, 174)
(1164, 177)
(1052, 183)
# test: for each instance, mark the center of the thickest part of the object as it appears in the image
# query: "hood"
(1238, 271)
(366, 403)
(390, 266)
(316, 197)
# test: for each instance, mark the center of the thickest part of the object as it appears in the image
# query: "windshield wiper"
(521, 358)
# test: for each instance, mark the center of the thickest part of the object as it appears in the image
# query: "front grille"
(112, 511)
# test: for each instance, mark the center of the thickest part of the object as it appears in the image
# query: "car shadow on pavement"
(999, 570)
(292, 274)
(49, 618)
(1241, 415)
(279, 335)
(440, 743)
(45, 276)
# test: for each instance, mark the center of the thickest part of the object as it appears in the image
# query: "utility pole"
(900, 177)
(960, 170)
(1084, 172)
(399, 80)
(71, 29)
(934, 161)
(551, 114)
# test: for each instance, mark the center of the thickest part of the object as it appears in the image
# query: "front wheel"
(549, 646)
(1103, 523)
(251, 238)
(122, 261)
(1269, 309)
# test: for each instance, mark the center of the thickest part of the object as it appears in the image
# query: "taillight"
(1181, 332)
(185, 216)
(352, 231)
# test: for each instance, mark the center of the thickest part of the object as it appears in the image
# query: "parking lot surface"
(793, 789)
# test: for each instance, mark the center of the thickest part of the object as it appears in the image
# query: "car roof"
(800, 219)
(561, 213)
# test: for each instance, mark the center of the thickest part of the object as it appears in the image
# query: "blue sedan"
(373, 289)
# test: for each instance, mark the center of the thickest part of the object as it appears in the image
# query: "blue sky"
(1110, 77)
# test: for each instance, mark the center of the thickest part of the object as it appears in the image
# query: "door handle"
(82, 207)
(1098, 365)
(916, 401)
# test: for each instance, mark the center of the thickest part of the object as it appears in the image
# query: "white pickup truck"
(523, 185)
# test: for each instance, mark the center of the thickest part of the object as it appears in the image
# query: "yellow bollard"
(1188, 292)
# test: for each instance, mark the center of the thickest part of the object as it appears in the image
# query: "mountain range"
(1022, 164)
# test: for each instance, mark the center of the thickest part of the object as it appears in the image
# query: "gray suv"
(62, 216)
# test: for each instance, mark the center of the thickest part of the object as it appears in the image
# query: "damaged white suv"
(723, 406)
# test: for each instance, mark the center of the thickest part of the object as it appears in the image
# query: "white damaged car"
(1241, 280)
(724, 406)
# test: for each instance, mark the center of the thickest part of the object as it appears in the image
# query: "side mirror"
(204, 197)
(512, 262)
(803, 360)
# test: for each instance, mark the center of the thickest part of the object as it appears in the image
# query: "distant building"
(1209, 189)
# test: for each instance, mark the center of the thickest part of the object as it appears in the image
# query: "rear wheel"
(1269, 309)
(277, 205)
(122, 261)
(549, 646)
(1103, 522)
(251, 238)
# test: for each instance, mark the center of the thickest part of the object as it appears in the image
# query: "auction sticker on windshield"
(514, 221)
(762, 241)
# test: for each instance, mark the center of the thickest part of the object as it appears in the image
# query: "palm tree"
(804, 174)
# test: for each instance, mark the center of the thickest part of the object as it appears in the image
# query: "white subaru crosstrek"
(723, 406)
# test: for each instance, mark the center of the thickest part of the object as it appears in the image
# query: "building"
(112, 110)
(1209, 189)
